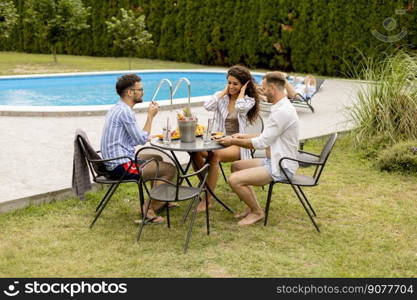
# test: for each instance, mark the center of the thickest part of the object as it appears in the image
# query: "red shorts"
(128, 170)
(131, 168)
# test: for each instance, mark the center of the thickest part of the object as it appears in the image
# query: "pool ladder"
(172, 91)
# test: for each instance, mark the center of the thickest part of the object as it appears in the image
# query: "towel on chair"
(80, 173)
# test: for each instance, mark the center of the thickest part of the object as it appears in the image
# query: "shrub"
(301, 36)
(386, 107)
(401, 157)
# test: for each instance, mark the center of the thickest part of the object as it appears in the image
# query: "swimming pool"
(91, 89)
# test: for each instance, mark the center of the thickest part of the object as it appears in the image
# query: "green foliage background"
(307, 36)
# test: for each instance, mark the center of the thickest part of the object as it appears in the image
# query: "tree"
(8, 18)
(129, 33)
(55, 21)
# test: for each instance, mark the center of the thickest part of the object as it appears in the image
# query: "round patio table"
(190, 148)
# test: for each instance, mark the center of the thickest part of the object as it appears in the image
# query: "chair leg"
(167, 208)
(181, 169)
(143, 221)
(103, 205)
(268, 202)
(305, 208)
(141, 198)
(306, 200)
(190, 228)
(311, 107)
(207, 214)
(105, 196)
(187, 212)
(221, 169)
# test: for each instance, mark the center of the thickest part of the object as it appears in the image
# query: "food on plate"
(199, 129)
(217, 134)
(175, 134)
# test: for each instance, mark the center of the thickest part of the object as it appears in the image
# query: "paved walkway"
(36, 152)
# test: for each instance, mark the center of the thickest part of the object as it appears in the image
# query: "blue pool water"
(100, 89)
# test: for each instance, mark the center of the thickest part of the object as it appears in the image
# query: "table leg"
(181, 169)
(209, 156)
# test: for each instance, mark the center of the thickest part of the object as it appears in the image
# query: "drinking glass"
(166, 133)
(208, 131)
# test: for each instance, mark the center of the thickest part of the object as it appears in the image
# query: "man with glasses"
(121, 134)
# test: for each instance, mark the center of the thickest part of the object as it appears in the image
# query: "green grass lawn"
(16, 63)
(367, 219)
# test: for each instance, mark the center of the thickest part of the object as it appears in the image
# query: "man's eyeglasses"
(140, 90)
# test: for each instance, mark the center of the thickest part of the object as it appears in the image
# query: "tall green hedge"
(310, 36)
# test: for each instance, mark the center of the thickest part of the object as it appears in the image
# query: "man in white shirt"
(280, 134)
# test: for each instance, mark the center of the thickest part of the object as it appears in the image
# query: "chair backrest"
(96, 168)
(264, 109)
(319, 83)
(324, 155)
(257, 126)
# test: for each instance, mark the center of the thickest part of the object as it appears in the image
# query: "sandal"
(151, 220)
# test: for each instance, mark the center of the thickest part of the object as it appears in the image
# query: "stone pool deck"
(36, 152)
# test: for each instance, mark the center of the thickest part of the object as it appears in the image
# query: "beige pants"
(166, 170)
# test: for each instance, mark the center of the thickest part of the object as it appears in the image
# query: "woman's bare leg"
(228, 154)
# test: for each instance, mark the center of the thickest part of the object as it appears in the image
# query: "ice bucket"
(187, 130)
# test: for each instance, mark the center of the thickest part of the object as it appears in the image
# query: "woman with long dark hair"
(234, 107)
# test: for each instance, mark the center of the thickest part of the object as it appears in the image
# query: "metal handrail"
(183, 79)
(159, 87)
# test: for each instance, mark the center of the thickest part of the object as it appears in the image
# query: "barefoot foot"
(242, 215)
(202, 205)
(251, 218)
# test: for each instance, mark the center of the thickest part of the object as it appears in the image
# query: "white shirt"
(242, 107)
(281, 133)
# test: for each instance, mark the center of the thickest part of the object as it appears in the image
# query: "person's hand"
(239, 136)
(153, 109)
(226, 141)
(243, 90)
(260, 90)
(224, 92)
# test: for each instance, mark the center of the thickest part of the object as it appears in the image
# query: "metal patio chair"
(101, 175)
(298, 180)
(169, 192)
(300, 100)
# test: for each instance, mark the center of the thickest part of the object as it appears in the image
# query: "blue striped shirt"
(120, 135)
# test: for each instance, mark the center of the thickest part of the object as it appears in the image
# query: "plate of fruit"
(217, 135)
(175, 135)
(199, 130)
